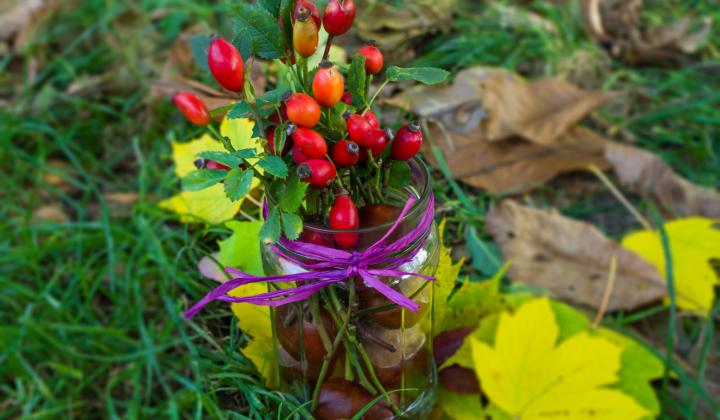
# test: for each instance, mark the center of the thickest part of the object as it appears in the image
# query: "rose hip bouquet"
(349, 242)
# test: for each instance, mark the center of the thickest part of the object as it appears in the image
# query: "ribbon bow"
(326, 266)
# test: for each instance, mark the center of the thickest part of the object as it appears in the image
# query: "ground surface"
(91, 298)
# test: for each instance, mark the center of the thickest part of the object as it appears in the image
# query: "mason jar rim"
(423, 185)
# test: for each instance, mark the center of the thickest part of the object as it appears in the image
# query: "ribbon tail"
(388, 291)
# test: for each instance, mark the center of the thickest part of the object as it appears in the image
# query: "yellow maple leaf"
(210, 205)
(528, 375)
(255, 321)
(694, 242)
(447, 273)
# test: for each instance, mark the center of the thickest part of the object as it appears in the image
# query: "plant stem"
(328, 45)
(369, 104)
(327, 359)
(226, 143)
(315, 310)
(373, 376)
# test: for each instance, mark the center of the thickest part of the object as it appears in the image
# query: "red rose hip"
(338, 16)
(345, 153)
(192, 107)
(373, 58)
(310, 142)
(305, 32)
(298, 155)
(328, 85)
(302, 110)
(344, 216)
(359, 129)
(314, 12)
(226, 65)
(407, 142)
(318, 173)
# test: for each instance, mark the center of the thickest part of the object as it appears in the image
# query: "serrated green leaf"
(426, 75)
(274, 165)
(199, 46)
(246, 153)
(356, 81)
(270, 231)
(271, 6)
(242, 109)
(226, 159)
(257, 131)
(293, 194)
(291, 225)
(257, 28)
(203, 178)
(238, 183)
(272, 97)
(400, 174)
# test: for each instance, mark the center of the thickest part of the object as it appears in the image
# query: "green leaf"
(242, 248)
(400, 174)
(280, 138)
(356, 81)
(291, 225)
(274, 165)
(257, 132)
(242, 109)
(485, 254)
(238, 183)
(256, 31)
(203, 178)
(199, 45)
(226, 159)
(271, 6)
(272, 97)
(286, 7)
(270, 231)
(246, 153)
(292, 197)
(426, 75)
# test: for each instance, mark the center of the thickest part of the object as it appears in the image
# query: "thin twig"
(619, 196)
(610, 285)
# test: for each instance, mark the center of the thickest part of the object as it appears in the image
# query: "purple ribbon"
(327, 266)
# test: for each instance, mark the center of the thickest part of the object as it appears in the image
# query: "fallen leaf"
(570, 258)
(14, 14)
(529, 374)
(49, 214)
(447, 273)
(393, 26)
(255, 321)
(210, 205)
(58, 173)
(694, 242)
(618, 26)
(241, 250)
(209, 267)
(501, 133)
(460, 406)
(648, 175)
(520, 18)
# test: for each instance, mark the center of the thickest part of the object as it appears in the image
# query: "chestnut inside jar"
(382, 348)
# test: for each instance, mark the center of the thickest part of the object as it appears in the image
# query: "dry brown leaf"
(393, 27)
(14, 14)
(49, 214)
(516, 165)
(618, 27)
(649, 175)
(570, 258)
(520, 18)
(504, 134)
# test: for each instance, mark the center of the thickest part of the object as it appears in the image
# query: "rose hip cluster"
(321, 159)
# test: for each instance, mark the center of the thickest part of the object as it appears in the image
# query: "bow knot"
(327, 266)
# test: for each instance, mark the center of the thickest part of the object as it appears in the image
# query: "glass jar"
(382, 348)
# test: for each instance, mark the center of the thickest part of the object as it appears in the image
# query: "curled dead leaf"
(618, 27)
(394, 26)
(570, 258)
(49, 214)
(502, 133)
(14, 15)
(649, 175)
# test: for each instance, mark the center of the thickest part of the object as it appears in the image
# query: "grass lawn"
(91, 299)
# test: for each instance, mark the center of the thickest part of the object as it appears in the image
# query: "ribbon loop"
(325, 266)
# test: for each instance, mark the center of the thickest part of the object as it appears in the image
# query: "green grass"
(90, 309)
